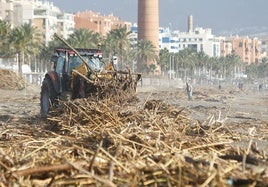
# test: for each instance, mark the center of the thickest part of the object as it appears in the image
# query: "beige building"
(98, 23)
(247, 48)
(226, 48)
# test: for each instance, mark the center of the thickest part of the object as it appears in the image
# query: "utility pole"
(170, 67)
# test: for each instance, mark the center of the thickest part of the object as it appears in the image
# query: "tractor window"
(60, 63)
(94, 63)
(75, 61)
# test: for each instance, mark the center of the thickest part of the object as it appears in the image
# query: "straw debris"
(121, 141)
(9, 80)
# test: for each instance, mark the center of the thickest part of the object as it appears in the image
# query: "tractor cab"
(66, 60)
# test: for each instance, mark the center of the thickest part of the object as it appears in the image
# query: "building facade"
(168, 40)
(6, 11)
(16, 12)
(247, 48)
(47, 18)
(226, 48)
(98, 23)
(198, 40)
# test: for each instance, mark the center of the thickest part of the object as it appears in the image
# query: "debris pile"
(9, 80)
(127, 143)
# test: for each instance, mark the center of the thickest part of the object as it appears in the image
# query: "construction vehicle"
(80, 73)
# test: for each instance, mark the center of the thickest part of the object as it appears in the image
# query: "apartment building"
(200, 40)
(98, 23)
(226, 48)
(48, 18)
(16, 12)
(247, 48)
(264, 47)
(6, 11)
(168, 40)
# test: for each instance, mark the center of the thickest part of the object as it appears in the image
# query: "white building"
(6, 11)
(48, 18)
(66, 24)
(23, 12)
(168, 40)
(200, 40)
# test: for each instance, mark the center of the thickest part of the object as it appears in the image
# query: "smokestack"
(190, 23)
(148, 21)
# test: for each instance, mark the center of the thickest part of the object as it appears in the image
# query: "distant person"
(189, 90)
(219, 86)
(260, 87)
(240, 86)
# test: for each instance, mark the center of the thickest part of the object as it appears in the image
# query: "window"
(165, 40)
(193, 47)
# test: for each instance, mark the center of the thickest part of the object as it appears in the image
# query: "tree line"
(23, 43)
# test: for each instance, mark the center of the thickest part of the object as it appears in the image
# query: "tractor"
(80, 73)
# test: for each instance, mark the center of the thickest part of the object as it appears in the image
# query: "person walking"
(189, 90)
(260, 87)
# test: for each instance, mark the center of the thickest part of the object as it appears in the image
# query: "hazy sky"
(220, 15)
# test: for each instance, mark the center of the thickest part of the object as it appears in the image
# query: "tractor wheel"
(78, 88)
(48, 96)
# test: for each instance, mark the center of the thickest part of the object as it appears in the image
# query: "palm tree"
(83, 38)
(5, 29)
(145, 51)
(164, 59)
(185, 59)
(218, 66)
(252, 71)
(233, 62)
(201, 60)
(118, 42)
(24, 41)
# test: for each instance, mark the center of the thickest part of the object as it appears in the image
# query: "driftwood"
(120, 141)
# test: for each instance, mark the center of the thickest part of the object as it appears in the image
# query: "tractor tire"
(78, 88)
(48, 97)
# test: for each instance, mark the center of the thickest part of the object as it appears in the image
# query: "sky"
(219, 15)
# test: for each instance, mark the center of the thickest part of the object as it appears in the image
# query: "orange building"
(247, 48)
(98, 23)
